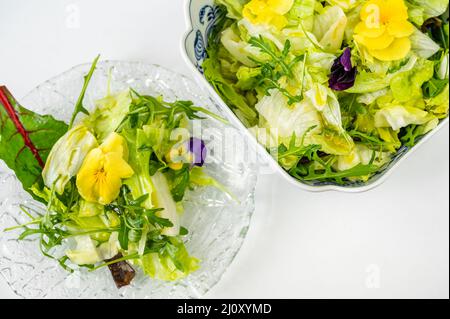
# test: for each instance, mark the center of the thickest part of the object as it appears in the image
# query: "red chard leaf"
(26, 139)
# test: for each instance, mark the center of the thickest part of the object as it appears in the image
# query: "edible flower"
(343, 73)
(384, 29)
(193, 151)
(100, 177)
(269, 12)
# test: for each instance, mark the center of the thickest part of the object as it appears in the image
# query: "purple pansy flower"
(198, 149)
(343, 74)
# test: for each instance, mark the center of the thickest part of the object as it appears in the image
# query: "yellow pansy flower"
(178, 156)
(268, 12)
(384, 29)
(100, 177)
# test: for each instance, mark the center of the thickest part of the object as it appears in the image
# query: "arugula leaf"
(146, 109)
(123, 234)
(277, 67)
(26, 139)
(180, 182)
(369, 140)
(269, 49)
(183, 231)
(79, 108)
(155, 220)
(411, 135)
(434, 87)
(307, 170)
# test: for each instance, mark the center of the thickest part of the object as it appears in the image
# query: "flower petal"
(117, 166)
(379, 43)
(397, 51)
(346, 59)
(254, 7)
(400, 29)
(362, 29)
(280, 7)
(198, 148)
(372, 10)
(109, 189)
(115, 143)
(395, 10)
(87, 176)
(278, 21)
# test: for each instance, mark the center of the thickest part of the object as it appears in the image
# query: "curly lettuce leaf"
(234, 7)
(398, 116)
(109, 113)
(302, 12)
(329, 28)
(284, 120)
(173, 262)
(407, 86)
(368, 82)
(423, 45)
(224, 87)
(26, 139)
(439, 105)
(431, 8)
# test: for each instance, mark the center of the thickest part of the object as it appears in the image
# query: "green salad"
(112, 181)
(333, 89)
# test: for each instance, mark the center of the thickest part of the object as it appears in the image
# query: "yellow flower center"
(100, 177)
(384, 29)
(269, 12)
(178, 156)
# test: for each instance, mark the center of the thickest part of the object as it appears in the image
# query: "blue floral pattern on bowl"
(203, 16)
(208, 16)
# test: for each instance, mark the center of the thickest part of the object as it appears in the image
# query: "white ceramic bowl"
(201, 16)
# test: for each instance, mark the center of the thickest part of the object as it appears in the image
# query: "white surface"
(392, 242)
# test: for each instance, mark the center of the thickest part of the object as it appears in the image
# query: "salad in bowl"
(336, 91)
(109, 187)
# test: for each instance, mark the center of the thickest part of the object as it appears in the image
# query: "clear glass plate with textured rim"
(217, 223)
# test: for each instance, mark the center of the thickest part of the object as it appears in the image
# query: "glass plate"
(217, 223)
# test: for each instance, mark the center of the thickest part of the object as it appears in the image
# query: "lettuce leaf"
(224, 87)
(361, 154)
(346, 5)
(109, 113)
(398, 116)
(431, 8)
(284, 120)
(423, 45)
(439, 105)
(26, 139)
(302, 12)
(234, 7)
(238, 49)
(173, 262)
(367, 82)
(407, 86)
(329, 28)
(67, 156)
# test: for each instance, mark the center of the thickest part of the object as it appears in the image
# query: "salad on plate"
(111, 182)
(332, 89)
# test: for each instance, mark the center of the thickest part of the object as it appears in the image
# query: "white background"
(392, 242)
